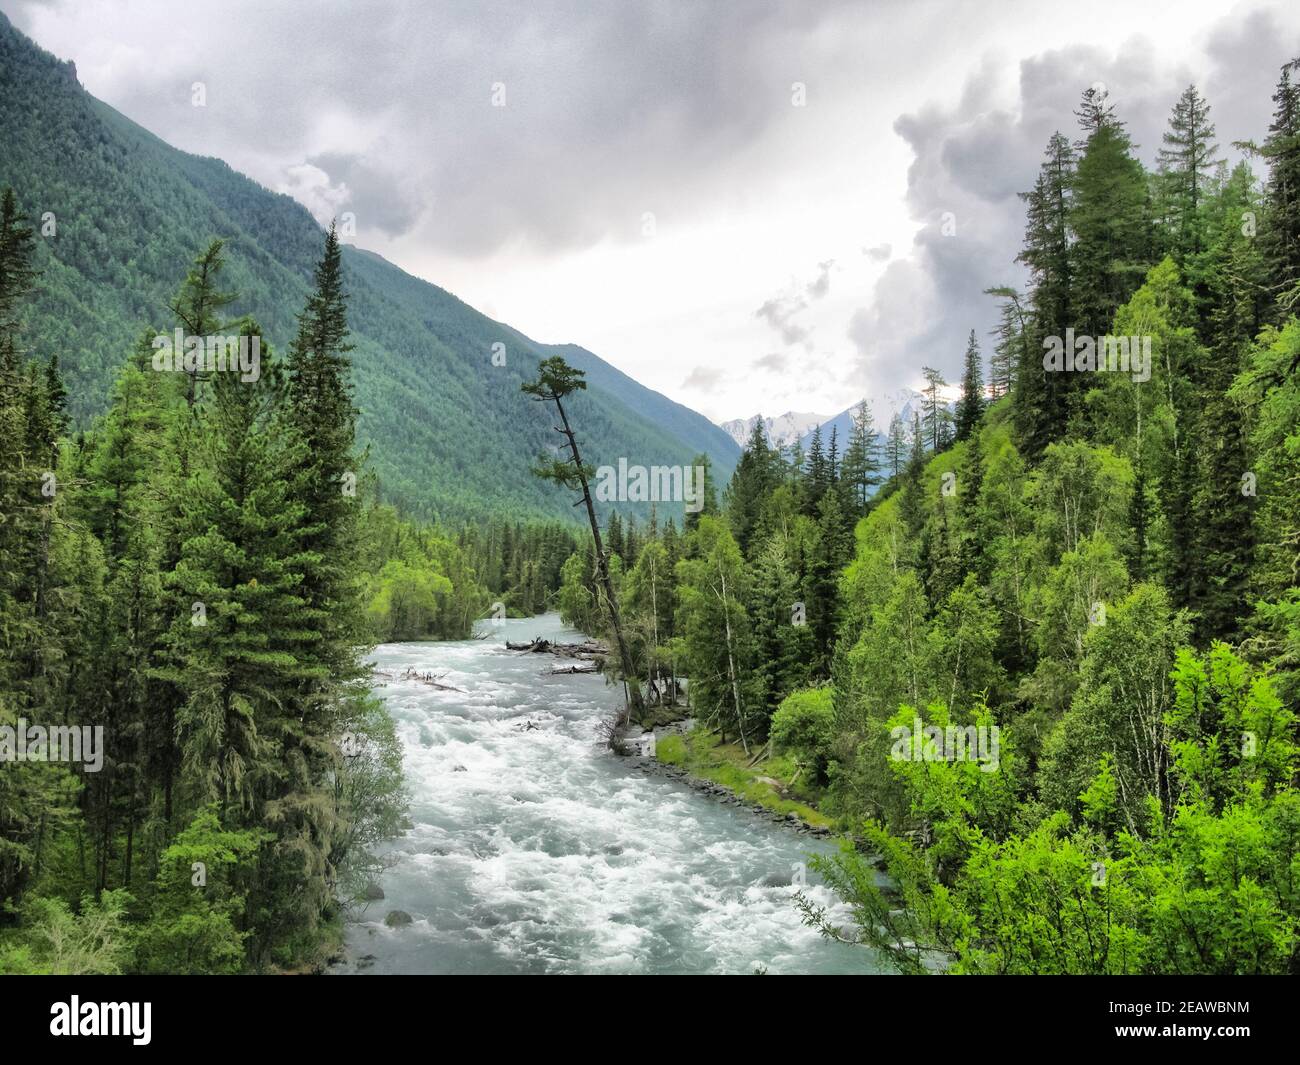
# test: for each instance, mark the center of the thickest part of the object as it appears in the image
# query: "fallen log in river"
(590, 649)
(434, 680)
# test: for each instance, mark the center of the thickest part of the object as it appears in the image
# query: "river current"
(536, 850)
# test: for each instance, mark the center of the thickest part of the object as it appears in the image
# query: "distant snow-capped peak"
(780, 431)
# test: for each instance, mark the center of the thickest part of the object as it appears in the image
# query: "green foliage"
(198, 900)
(55, 941)
(1124, 601)
(804, 725)
(184, 580)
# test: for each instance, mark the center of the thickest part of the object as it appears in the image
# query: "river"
(536, 850)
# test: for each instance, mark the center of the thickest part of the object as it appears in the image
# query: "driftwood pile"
(591, 651)
(434, 680)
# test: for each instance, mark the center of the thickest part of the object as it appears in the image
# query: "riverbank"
(698, 758)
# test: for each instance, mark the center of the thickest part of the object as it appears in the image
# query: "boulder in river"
(373, 893)
(397, 918)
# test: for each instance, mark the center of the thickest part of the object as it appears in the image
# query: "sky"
(748, 205)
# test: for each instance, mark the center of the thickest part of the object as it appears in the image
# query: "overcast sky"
(652, 188)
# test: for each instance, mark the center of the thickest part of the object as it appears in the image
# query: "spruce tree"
(970, 407)
(1184, 166)
(1110, 219)
(755, 478)
(861, 469)
(936, 422)
(816, 479)
(1042, 397)
(896, 446)
(1280, 233)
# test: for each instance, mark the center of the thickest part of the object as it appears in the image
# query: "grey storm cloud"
(780, 311)
(971, 160)
(704, 378)
(378, 198)
(819, 287)
(774, 362)
(611, 111)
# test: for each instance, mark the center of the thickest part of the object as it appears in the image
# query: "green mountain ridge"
(450, 434)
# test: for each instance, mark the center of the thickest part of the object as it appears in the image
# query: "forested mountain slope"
(450, 433)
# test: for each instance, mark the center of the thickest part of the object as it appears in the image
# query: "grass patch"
(702, 755)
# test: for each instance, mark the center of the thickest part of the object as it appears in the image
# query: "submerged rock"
(397, 918)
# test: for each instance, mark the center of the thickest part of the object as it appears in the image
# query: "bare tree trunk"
(731, 663)
(633, 704)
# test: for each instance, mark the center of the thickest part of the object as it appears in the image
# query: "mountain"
(780, 431)
(450, 434)
(883, 408)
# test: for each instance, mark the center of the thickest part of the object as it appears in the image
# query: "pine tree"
(896, 446)
(713, 588)
(1184, 166)
(936, 422)
(816, 479)
(970, 407)
(556, 379)
(323, 416)
(197, 307)
(239, 559)
(614, 536)
(1280, 233)
(860, 471)
(1010, 336)
(782, 635)
(327, 634)
(708, 501)
(755, 478)
(830, 553)
(1042, 397)
(1110, 218)
(911, 506)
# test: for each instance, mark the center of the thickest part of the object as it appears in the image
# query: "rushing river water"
(537, 850)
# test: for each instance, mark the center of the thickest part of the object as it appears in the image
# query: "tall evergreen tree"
(816, 477)
(755, 478)
(1042, 397)
(1280, 234)
(1185, 164)
(860, 471)
(970, 407)
(896, 446)
(936, 421)
(1110, 219)
(556, 380)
